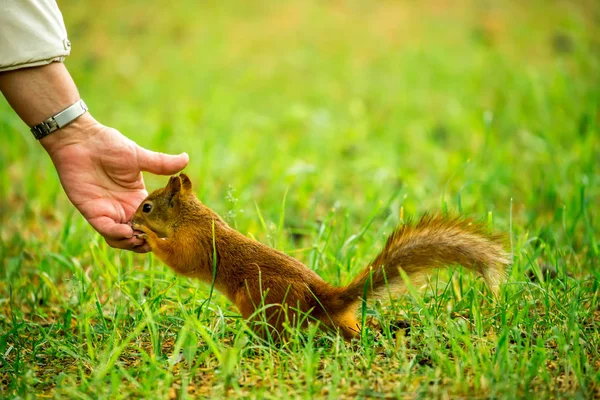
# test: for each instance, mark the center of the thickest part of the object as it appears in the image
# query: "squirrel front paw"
(142, 236)
(145, 231)
(139, 227)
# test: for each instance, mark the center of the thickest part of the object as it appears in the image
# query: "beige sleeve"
(32, 33)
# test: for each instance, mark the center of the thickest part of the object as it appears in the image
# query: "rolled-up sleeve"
(32, 33)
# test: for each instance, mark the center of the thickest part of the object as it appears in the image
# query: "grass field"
(316, 127)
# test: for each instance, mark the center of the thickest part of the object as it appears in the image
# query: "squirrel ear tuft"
(174, 185)
(186, 183)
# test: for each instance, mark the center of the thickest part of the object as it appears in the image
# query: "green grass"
(315, 127)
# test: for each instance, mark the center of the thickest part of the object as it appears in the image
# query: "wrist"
(80, 130)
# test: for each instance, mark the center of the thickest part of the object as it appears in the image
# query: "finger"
(111, 230)
(125, 244)
(145, 248)
(133, 244)
(160, 163)
(118, 244)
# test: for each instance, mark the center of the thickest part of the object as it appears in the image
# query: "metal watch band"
(60, 120)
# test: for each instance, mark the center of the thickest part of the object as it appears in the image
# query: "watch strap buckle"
(60, 120)
(45, 128)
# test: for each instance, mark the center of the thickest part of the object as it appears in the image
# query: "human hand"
(100, 171)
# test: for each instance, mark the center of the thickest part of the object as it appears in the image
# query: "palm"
(102, 177)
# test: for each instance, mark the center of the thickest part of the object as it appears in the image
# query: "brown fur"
(185, 234)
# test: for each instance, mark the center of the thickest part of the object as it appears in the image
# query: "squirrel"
(196, 242)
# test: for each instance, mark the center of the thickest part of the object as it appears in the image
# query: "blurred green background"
(351, 111)
(343, 102)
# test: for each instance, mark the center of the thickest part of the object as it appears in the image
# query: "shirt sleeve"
(32, 33)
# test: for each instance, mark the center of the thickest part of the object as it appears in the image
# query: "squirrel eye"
(147, 208)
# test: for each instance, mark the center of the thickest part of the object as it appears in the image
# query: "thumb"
(160, 163)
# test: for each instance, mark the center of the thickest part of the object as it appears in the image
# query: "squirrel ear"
(186, 183)
(174, 185)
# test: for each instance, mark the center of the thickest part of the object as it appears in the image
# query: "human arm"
(99, 168)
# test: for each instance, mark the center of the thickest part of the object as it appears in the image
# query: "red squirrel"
(185, 234)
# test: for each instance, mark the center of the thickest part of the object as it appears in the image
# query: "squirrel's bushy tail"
(432, 242)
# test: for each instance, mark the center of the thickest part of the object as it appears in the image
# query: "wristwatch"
(60, 120)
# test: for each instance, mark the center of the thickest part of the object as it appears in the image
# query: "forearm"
(99, 168)
(38, 93)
